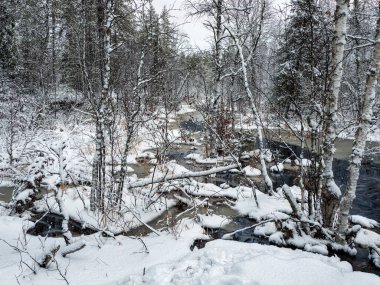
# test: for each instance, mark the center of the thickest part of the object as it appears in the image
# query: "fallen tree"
(190, 174)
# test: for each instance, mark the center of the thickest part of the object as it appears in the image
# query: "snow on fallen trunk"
(74, 247)
(188, 174)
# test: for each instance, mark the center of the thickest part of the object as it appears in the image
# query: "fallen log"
(148, 181)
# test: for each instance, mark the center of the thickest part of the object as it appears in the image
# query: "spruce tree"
(7, 36)
(303, 57)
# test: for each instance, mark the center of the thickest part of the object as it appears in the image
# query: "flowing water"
(6, 193)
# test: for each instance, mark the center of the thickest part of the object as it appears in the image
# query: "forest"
(129, 155)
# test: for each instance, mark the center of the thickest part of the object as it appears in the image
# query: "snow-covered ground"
(162, 257)
(166, 259)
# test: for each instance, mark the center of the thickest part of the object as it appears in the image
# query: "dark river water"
(367, 202)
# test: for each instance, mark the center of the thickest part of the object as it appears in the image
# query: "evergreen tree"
(7, 35)
(303, 57)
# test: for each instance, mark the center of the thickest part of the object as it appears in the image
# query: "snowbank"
(231, 262)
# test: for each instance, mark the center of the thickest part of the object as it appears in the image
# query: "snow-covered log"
(292, 201)
(48, 256)
(189, 174)
(74, 247)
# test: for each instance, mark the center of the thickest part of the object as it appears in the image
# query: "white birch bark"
(365, 119)
(331, 192)
(98, 173)
(217, 93)
(256, 115)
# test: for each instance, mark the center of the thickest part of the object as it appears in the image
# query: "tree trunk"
(331, 192)
(365, 120)
(217, 92)
(105, 18)
(256, 115)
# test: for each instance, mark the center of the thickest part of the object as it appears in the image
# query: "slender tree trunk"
(105, 19)
(365, 120)
(331, 192)
(217, 92)
(256, 115)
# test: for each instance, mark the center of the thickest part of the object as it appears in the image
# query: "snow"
(266, 229)
(231, 262)
(304, 162)
(277, 238)
(251, 171)
(167, 259)
(364, 222)
(269, 206)
(366, 238)
(287, 160)
(185, 109)
(318, 248)
(73, 199)
(102, 261)
(279, 167)
(211, 190)
(24, 195)
(201, 160)
(213, 221)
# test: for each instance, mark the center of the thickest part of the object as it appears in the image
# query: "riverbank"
(182, 213)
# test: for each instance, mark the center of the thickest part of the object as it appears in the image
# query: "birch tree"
(365, 123)
(246, 36)
(330, 191)
(105, 20)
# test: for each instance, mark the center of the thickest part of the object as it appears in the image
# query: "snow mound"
(366, 238)
(213, 221)
(364, 222)
(251, 171)
(231, 262)
(270, 206)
